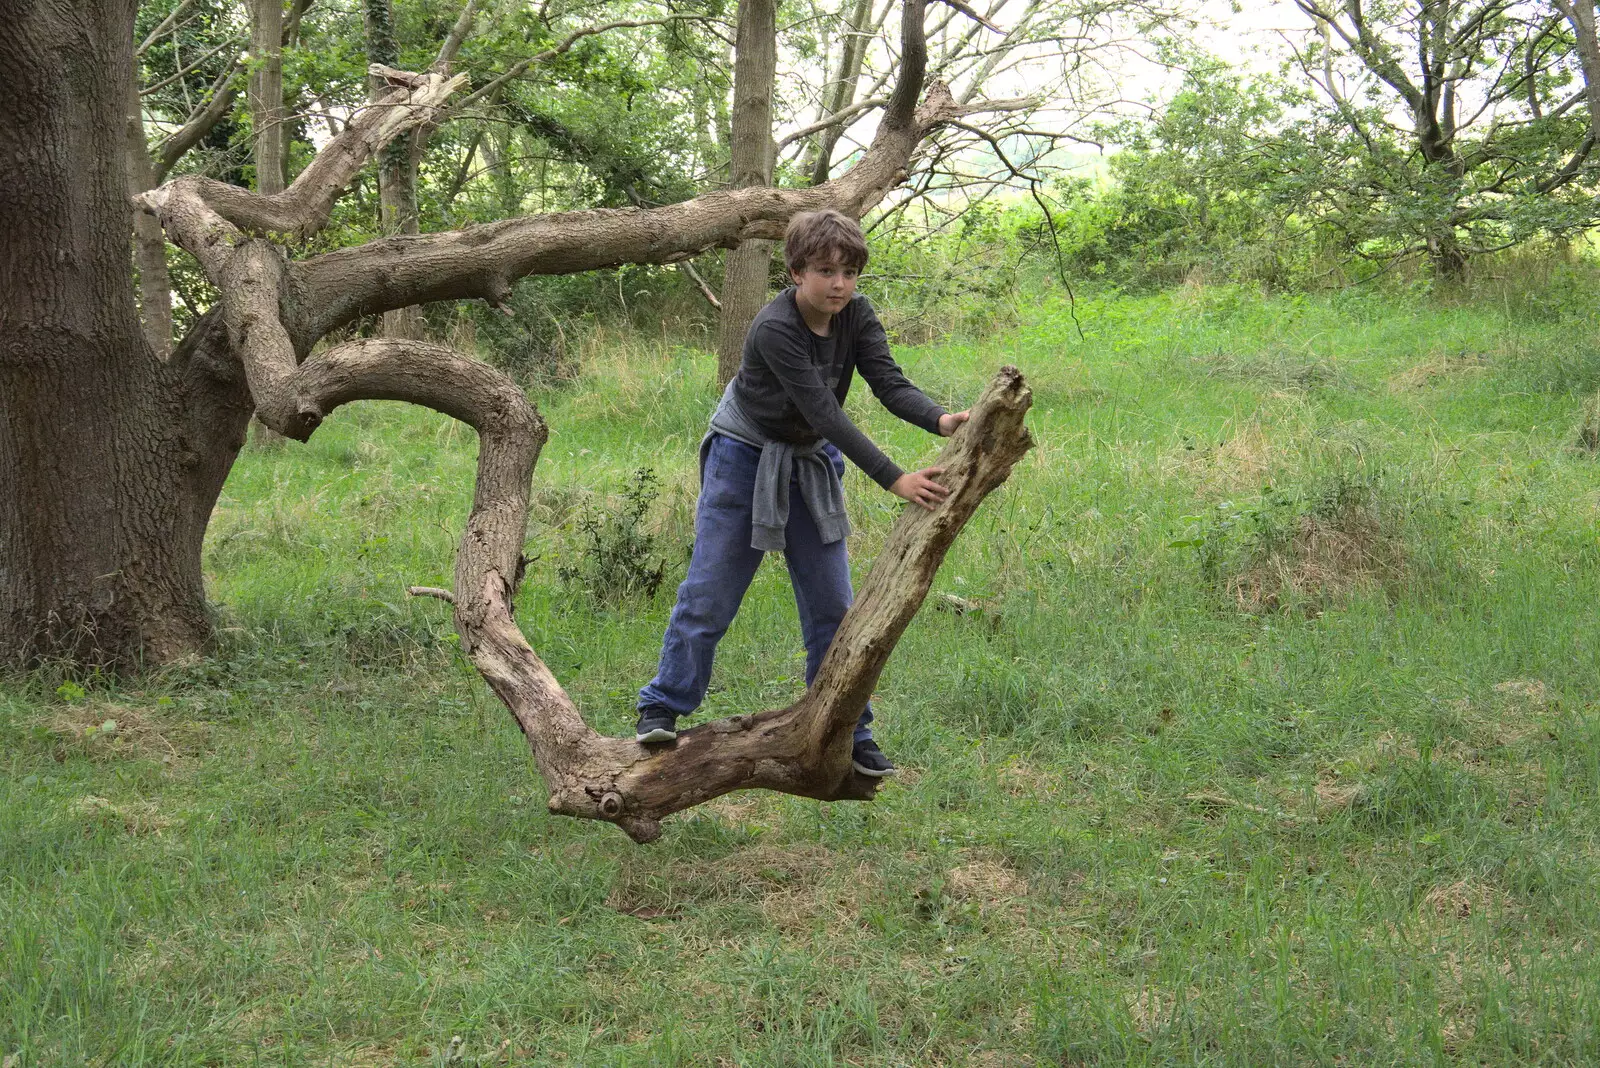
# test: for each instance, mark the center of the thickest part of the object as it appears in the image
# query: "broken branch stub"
(803, 749)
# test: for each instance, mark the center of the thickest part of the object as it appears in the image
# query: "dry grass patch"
(1334, 795)
(1240, 464)
(988, 884)
(997, 1058)
(1018, 778)
(1438, 365)
(1531, 693)
(746, 809)
(794, 885)
(1326, 556)
(1519, 712)
(135, 817)
(107, 729)
(1149, 1009)
(1462, 900)
(1279, 370)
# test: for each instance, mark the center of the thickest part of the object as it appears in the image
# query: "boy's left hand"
(950, 420)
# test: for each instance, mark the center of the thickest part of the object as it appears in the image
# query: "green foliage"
(1193, 189)
(1263, 179)
(616, 560)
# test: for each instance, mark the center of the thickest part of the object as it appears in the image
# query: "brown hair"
(817, 236)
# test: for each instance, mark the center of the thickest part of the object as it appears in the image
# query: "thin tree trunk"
(744, 284)
(1580, 15)
(149, 241)
(397, 163)
(840, 92)
(266, 95)
(267, 120)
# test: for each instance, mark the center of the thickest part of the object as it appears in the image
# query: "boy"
(770, 467)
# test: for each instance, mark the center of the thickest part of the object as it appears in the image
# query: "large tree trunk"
(744, 284)
(110, 459)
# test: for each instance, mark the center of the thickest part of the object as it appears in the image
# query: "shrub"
(618, 560)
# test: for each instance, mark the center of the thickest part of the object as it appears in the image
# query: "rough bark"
(744, 283)
(267, 121)
(110, 459)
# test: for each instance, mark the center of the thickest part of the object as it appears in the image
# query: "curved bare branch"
(304, 207)
(482, 262)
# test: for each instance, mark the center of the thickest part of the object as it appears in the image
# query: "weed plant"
(616, 558)
(1149, 813)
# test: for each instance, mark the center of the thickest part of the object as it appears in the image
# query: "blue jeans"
(722, 567)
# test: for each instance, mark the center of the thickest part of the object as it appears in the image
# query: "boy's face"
(826, 286)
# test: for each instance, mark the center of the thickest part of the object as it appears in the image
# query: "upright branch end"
(395, 76)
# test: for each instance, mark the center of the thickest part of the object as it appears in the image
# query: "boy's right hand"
(919, 487)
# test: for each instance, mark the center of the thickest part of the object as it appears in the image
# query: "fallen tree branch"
(803, 749)
(274, 312)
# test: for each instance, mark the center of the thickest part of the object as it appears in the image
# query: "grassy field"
(1273, 737)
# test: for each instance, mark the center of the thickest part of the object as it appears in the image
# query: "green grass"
(1147, 817)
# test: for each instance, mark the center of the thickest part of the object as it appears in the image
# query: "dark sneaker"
(656, 724)
(868, 759)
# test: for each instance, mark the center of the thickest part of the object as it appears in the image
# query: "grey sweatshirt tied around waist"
(811, 468)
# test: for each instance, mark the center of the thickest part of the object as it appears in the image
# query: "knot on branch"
(300, 426)
(937, 106)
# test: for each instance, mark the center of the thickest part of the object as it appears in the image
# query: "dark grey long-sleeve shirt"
(793, 383)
